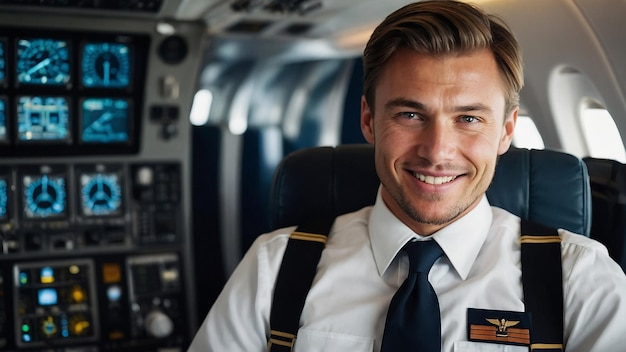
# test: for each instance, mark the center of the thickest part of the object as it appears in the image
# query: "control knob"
(158, 324)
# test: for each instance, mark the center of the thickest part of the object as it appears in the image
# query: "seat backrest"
(608, 200)
(548, 187)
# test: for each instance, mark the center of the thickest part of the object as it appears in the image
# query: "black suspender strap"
(295, 277)
(542, 280)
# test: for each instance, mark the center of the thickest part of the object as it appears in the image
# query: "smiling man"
(438, 123)
(413, 272)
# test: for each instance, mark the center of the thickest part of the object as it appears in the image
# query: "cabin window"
(601, 134)
(201, 107)
(526, 134)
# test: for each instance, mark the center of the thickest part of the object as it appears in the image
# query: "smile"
(434, 180)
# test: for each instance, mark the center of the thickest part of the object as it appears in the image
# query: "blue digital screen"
(3, 61)
(44, 196)
(47, 297)
(4, 199)
(105, 120)
(43, 61)
(101, 194)
(42, 118)
(3, 120)
(106, 65)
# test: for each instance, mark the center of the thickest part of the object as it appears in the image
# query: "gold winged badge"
(503, 325)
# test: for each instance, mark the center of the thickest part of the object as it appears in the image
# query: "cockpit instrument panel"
(43, 61)
(106, 65)
(56, 301)
(3, 61)
(105, 120)
(4, 198)
(43, 119)
(69, 92)
(3, 120)
(44, 194)
(101, 191)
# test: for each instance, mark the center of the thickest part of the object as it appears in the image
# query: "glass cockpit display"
(3, 61)
(44, 196)
(68, 92)
(105, 120)
(3, 120)
(43, 118)
(100, 193)
(43, 61)
(4, 198)
(106, 65)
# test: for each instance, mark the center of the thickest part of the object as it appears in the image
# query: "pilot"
(440, 103)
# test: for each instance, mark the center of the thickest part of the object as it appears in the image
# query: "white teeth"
(432, 180)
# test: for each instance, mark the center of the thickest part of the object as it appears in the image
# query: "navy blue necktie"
(413, 321)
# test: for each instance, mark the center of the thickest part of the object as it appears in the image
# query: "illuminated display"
(3, 120)
(105, 120)
(3, 61)
(4, 199)
(44, 196)
(43, 62)
(54, 312)
(47, 297)
(43, 118)
(106, 65)
(70, 93)
(101, 194)
(47, 275)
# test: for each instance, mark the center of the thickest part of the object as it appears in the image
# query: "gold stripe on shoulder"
(546, 346)
(540, 239)
(303, 236)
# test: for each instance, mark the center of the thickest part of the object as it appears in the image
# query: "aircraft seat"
(608, 199)
(547, 187)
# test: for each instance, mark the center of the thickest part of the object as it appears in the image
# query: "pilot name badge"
(497, 326)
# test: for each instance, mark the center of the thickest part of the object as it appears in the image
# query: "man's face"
(438, 126)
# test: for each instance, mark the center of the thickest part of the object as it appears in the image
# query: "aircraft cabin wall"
(95, 188)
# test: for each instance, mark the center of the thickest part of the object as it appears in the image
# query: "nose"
(436, 142)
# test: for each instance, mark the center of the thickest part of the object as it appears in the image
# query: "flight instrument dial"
(44, 196)
(101, 194)
(43, 61)
(106, 65)
(4, 197)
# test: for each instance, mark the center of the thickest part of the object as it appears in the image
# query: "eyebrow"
(408, 103)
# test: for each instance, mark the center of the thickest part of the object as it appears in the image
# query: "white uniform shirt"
(362, 266)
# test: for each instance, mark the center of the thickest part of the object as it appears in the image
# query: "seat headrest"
(548, 187)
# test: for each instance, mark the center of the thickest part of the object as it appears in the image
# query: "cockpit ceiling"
(264, 18)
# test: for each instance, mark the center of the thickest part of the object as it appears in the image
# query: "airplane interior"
(139, 140)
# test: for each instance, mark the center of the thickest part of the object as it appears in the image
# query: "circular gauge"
(106, 65)
(44, 196)
(3, 198)
(43, 61)
(101, 194)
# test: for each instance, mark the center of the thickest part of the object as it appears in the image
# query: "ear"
(367, 121)
(507, 131)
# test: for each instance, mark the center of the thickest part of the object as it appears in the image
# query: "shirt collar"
(461, 240)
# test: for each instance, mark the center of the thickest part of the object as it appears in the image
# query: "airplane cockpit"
(95, 221)
(139, 138)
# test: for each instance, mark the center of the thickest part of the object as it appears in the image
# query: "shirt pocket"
(314, 341)
(467, 346)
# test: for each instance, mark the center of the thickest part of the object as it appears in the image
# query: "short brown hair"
(436, 28)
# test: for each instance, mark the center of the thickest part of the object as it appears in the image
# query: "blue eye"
(409, 115)
(469, 119)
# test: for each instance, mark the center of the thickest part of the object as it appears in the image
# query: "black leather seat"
(547, 187)
(608, 200)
